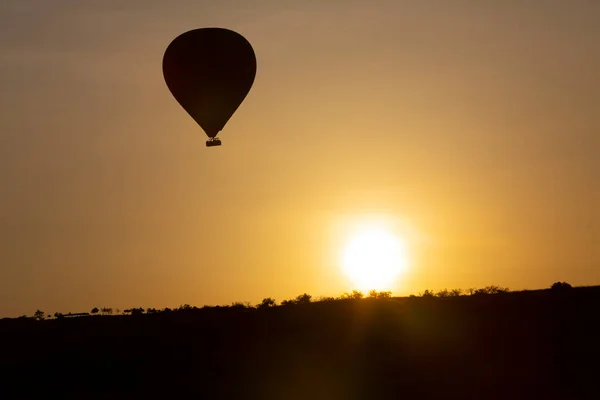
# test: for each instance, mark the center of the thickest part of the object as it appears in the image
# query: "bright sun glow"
(374, 259)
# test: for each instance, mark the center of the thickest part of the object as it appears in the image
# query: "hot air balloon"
(210, 71)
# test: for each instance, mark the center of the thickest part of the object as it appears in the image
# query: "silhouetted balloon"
(210, 71)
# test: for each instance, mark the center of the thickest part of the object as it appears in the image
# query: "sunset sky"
(469, 128)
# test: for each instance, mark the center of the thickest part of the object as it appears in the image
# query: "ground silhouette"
(490, 344)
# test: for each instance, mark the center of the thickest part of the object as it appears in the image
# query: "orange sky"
(471, 127)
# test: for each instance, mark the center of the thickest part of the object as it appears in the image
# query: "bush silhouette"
(560, 286)
(241, 305)
(326, 299)
(134, 311)
(300, 299)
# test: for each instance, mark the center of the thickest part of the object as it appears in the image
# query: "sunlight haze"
(470, 127)
(373, 259)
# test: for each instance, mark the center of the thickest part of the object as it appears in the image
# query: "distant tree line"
(445, 293)
(305, 298)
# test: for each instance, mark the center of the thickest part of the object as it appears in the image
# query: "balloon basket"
(213, 142)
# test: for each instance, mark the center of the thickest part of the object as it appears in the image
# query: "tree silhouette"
(303, 299)
(39, 315)
(241, 305)
(355, 295)
(267, 302)
(490, 290)
(374, 294)
(95, 310)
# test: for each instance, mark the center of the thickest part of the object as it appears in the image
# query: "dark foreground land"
(538, 344)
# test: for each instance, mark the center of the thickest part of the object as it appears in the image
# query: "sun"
(373, 259)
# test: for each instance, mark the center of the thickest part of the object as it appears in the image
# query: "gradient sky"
(471, 127)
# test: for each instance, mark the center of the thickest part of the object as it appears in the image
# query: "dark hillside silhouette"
(494, 344)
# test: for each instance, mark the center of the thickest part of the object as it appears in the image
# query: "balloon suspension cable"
(213, 141)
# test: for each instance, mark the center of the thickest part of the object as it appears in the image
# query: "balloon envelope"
(209, 71)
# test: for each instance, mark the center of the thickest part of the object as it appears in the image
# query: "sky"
(470, 128)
